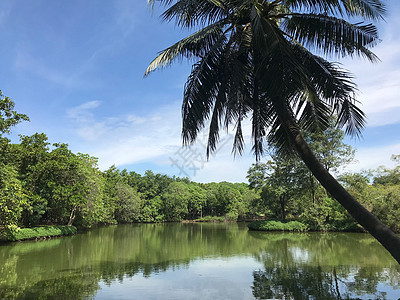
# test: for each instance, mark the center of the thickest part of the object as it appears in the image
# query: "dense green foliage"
(288, 190)
(43, 184)
(8, 235)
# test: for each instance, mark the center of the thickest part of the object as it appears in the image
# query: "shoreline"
(36, 233)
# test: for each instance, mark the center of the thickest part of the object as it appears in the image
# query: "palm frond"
(367, 9)
(333, 92)
(163, 2)
(263, 118)
(328, 79)
(238, 141)
(200, 91)
(279, 139)
(351, 117)
(195, 45)
(190, 13)
(315, 6)
(315, 116)
(216, 117)
(332, 35)
(234, 90)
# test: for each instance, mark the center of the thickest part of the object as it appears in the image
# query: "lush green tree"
(122, 199)
(112, 177)
(175, 201)
(288, 187)
(129, 204)
(384, 175)
(382, 197)
(12, 198)
(257, 57)
(152, 185)
(256, 175)
(283, 181)
(331, 151)
(153, 210)
(8, 116)
(227, 199)
(31, 150)
(71, 185)
(90, 206)
(330, 148)
(197, 201)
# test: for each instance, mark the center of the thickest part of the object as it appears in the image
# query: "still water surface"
(198, 261)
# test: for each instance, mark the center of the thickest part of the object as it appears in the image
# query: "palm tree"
(260, 59)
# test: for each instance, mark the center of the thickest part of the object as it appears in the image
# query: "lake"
(198, 261)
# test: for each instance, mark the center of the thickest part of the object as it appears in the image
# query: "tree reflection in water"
(324, 266)
(290, 266)
(315, 283)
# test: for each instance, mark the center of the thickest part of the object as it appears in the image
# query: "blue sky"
(76, 69)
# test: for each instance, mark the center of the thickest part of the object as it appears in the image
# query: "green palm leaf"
(367, 9)
(332, 35)
(191, 13)
(195, 45)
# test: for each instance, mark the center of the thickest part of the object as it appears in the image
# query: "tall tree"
(255, 58)
(283, 180)
(8, 116)
(12, 198)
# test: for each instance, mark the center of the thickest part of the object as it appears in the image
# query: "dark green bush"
(9, 235)
(277, 226)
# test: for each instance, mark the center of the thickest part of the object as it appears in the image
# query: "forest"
(43, 183)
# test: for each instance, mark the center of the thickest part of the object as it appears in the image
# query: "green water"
(198, 261)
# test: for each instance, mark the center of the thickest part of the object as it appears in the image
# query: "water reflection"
(226, 261)
(309, 282)
(325, 266)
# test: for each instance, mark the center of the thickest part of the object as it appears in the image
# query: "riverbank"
(42, 232)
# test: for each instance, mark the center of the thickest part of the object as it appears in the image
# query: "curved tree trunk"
(370, 222)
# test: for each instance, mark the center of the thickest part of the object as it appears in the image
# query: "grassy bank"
(277, 226)
(211, 219)
(207, 219)
(7, 235)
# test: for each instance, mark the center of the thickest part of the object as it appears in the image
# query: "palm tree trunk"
(370, 222)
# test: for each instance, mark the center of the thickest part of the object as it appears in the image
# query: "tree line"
(43, 183)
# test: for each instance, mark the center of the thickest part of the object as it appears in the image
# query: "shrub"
(277, 226)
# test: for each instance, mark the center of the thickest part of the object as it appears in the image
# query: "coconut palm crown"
(262, 59)
(255, 55)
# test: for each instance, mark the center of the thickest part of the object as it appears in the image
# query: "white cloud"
(153, 138)
(82, 112)
(126, 139)
(373, 157)
(379, 84)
